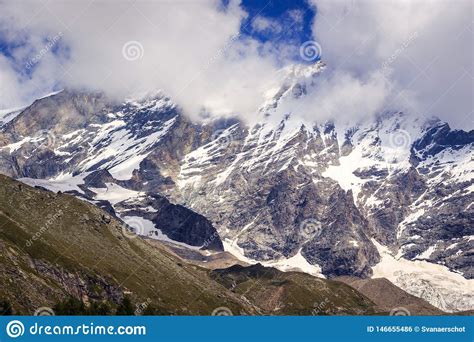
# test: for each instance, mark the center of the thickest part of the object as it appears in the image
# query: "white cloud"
(424, 48)
(190, 51)
(264, 24)
(187, 49)
(347, 98)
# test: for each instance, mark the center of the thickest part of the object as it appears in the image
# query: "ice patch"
(146, 228)
(296, 263)
(447, 290)
(114, 193)
(63, 182)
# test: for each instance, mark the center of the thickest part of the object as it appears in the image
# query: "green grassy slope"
(293, 293)
(55, 245)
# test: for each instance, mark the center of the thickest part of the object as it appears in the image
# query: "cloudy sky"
(220, 57)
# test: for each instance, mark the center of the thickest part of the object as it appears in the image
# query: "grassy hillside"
(388, 296)
(56, 248)
(293, 293)
(55, 245)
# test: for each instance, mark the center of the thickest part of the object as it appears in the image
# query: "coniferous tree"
(6, 308)
(70, 307)
(126, 307)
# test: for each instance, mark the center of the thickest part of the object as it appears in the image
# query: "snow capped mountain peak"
(297, 72)
(7, 115)
(293, 81)
(286, 190)
(145, 96)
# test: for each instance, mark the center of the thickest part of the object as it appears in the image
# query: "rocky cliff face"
(80, 136)
(55, 246)
(178, 223)
(282, 187)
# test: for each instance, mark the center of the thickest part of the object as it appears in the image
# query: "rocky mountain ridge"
(55, 248)
(283, 188)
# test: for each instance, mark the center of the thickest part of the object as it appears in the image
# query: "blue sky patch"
(286, 21)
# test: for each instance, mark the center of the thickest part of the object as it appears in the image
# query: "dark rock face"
(441, 137)
(175, 221)
(182, 224)
(342, 247)
(395, 207)
(79, 285)
(98, 179)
